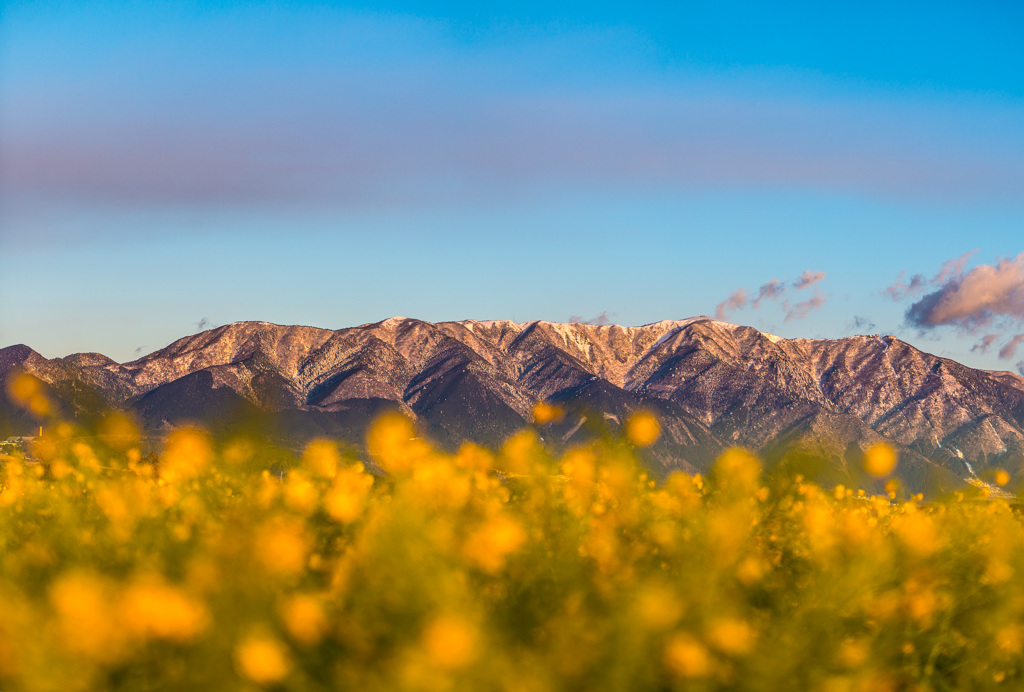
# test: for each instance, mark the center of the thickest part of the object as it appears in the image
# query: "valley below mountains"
(813, 403)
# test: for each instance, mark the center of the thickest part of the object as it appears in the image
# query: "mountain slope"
(713, 384)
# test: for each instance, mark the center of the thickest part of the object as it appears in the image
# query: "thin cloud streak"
(984, 344)
(859, 322)
(772, 290)
(901, 290)
(775, 290)
(736, 301)
(604, 318)
(800, 310)
(807, 279)
(1010, 349)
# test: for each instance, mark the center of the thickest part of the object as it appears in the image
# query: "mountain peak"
(712, 384)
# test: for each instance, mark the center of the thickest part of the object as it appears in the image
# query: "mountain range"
(712, 385)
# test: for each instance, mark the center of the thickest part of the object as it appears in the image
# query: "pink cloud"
(801, 309)
(951, 269)
(736, 301)
(918, 284)
(808, 278)
(973, 299)
(1010, 349)
(901, 289)
(602, 319)
(769, 291)
(985, 343)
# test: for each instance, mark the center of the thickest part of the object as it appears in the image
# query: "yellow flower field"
(233, 565)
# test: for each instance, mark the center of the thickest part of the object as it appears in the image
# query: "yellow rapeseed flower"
(83, 603)
(393, 443)
(300, 494)
(239, 451)
(151, 608)
(21, 387)
(521, 452)
(544, 413)
(347, 497)
(474, 458)
(262, 658)
(282, 547)
(27, 391)
(643, 429)
(880, 460)
(738, 472)
(187, 454)
(450, 641)
(1009, 640)
(321, 458)
(918, 533)
(686, 657)
(658, 607)
(491, 544)
(731, 635)
(304, 617)
(119, 431)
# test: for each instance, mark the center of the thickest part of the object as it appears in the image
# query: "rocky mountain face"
(711, 384)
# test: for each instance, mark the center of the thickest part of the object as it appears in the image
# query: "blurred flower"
(83, 603)
(262, 658)
(321, 458)
(187, 453)
(544, 413)
(880, 460)
(687, 657)
(1001, 477)
(491, 544)
(450, 641)
(152, 608)
(643, 429)
(282, 546)
(119, 431)
(394, 445)
(304, 617)
(731, 636)
(347, 497)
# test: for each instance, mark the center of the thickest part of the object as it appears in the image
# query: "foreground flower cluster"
(233, 565)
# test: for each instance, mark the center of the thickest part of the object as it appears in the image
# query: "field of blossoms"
(227, 564)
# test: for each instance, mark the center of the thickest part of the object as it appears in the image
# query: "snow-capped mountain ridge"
(712, 382)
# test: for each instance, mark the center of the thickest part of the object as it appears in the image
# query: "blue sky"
(165, 165)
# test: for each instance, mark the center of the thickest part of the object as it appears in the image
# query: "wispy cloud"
(901, 290)
(736, 301)
(1009, 350)
(775, 290)
(604, 318)
(807, 279)
(860, 323)
(769, 291)
(984, 344)
(918, 284)
(973, 299)
(203, 324)
(1020, 368)
(800, 310)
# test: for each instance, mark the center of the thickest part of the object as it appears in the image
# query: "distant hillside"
(711, 383)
